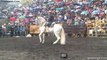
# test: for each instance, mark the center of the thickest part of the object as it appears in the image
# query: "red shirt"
(58, 0)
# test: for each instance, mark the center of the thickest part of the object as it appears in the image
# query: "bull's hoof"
(62, 44)
(41, 42)
(54, 43)
(29, 35)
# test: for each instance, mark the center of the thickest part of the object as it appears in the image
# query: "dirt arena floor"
(23, 48)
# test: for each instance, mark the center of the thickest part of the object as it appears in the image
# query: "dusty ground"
(30, 49)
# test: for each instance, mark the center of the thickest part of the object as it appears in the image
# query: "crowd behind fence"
(72, 13)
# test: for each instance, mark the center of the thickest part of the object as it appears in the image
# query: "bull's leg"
(42, 30)
(58, 38)
(40, 36)
(43, 37)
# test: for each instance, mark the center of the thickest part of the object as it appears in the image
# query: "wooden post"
(96, 20)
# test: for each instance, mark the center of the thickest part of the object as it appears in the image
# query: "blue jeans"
(49, 24)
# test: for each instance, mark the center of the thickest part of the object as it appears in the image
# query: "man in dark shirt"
(50, 19)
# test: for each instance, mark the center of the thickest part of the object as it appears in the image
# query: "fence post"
(96, 20)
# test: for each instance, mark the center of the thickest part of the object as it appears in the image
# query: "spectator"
(4, 29)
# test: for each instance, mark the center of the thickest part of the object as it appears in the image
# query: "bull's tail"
(63, 38)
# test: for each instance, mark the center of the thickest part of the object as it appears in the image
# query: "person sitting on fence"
(91, 32)
(4, 29)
